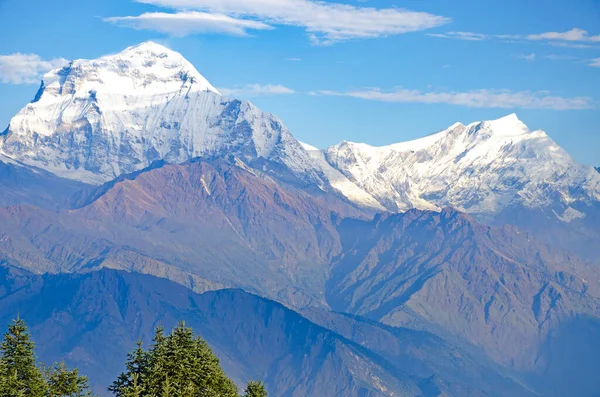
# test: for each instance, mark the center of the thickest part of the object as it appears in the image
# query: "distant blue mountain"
(92, 320)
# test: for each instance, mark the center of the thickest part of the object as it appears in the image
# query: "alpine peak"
(94, 120)
(150, 62)
(509, 125)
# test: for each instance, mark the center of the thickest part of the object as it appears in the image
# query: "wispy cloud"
(574, 34)
(595, 63)
(254, 90)
(26, 68)
(527, 57)
(326, 23)
(554, 57)
(505, 99)
(469, 36)
(186, 23)
(569, 45)
(574, 38)
(293, 59)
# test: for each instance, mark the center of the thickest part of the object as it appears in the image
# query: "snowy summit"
(482, 168)
(94, 120)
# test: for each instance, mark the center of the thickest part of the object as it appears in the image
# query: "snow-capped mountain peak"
(509, 125)
(481, 168)
(151, 61)
(141, 70)
(94, 120)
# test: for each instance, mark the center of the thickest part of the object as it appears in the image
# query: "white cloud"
(186, 23)
(469, 36)
(527, 57)
(574, 38)
(26, 68)
(254, 90)
(505, 99)
(574, 34)
(569, 45)
(595, 63)
(293, 59)
(325, 22)
(555, 57)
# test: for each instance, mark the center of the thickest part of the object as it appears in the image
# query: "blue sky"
(367, 71)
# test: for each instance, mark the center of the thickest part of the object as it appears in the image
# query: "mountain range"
(93, 318)
(464, 263)
(95, 120)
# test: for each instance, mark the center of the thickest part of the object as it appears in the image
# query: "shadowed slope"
(94, 319)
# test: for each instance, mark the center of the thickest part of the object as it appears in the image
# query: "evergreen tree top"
(22, 376)
(255, 389)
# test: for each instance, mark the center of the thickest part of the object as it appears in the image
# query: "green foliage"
(21, 376)
(20, 373)
(180, 364)
(130, 383)
(62, 382)
(255, 389)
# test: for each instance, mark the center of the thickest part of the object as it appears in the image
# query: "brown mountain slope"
(203, 224)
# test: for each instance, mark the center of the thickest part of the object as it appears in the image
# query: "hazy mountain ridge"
(94, 319)
(28, 185)
(198, 219)
(452, 276)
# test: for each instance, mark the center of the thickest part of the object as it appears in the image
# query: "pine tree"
(255, 389)
(21, 376)
(159, 382)
(177, 365)
(61, 382)
(132, 381)
(185, 364)
(20, 373)
(3, 378)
